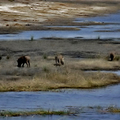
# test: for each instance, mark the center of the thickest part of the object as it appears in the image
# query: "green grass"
(28, 113)
(75, 110)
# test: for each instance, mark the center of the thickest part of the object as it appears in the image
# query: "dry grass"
(60, 80)
(43, 75)
(112, 109)
(95, 64)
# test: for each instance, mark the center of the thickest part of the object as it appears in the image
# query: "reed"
(28, 113)
(112, 109)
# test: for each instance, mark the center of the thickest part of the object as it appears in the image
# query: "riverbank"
(70, 112)
(36, 15)
(80, 55)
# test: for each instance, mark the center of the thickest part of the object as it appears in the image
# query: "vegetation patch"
(112, 109)
(47, 79)
(28, 113)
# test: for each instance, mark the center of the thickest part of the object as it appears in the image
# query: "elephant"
(22, 60)
(59, 60)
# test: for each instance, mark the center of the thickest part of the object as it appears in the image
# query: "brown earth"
(28, 14)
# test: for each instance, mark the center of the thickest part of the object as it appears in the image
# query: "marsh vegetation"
(82, 56)
(44, 75)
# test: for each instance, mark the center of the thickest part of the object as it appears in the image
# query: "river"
(67, 99)
(109, 31)
(70, 99)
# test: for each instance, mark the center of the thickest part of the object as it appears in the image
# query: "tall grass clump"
(113, 109)
(28, 113)
(98, 37)
(7, 57)
(45, 56)
(46, 69)
(32, 38)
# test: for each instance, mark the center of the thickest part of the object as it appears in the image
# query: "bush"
(45, 56)
(32, 38)
(8, 57)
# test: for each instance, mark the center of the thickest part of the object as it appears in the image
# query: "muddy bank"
(28, 15)
(73, 47)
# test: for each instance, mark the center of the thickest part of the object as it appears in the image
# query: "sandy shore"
(21, 15)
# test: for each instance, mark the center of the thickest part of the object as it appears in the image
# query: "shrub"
(45, 56)
(45, 69)
(7, 57)
(32, 38)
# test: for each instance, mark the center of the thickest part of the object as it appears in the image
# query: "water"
(60, 100)
(109, 18)
(63, 100)
(67, 99)
(110, 31)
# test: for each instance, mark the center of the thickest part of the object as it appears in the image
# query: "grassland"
(44, 75)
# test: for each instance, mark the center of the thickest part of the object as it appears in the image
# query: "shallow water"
(60, 100)
(66, 99)
(108, 18)
(88, 116)
(110, 31)
(63, 100)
